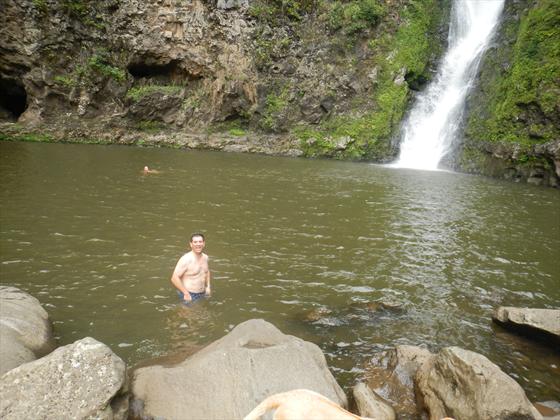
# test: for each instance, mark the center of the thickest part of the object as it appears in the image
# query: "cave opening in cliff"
(13, 99)
(160, 73)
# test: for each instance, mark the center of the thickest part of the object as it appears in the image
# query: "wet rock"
(315, 314)
(550, 410)
(372, 405)
(543, 324)
(25, 329)
(228, 378)
(466, 385)
(380, 306)
(392, 377)
(81, 380)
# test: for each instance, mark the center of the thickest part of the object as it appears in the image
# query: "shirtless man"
(191, 276)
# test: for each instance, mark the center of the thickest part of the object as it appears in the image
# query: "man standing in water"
(191, 276)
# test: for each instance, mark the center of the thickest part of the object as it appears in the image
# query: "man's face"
(197, 244)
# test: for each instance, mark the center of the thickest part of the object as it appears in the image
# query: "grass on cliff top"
(406, 50)
(525, 100)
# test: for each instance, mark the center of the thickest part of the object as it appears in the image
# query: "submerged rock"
(25, 329)
(537, 323)
(228, 378)
(81, 380)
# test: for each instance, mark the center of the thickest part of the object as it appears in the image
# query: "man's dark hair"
(197, 234)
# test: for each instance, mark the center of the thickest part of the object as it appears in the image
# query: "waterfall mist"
(432, 124)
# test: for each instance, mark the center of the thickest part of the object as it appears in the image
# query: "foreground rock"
(392, 377)
(466, 385)
(372, 405)
(536, 323)
(227, 379)
(81, 380)
(25, 329)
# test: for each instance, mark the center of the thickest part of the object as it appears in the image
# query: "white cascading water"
(429, 130)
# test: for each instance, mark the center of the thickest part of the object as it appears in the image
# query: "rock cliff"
(513, 124)
(301, 77)
(319, 78)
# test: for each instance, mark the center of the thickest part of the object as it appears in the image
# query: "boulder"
(392, 377)
(25, 329)
(538, 323)
(372, 405)
(81, 380)
(228, 378)
(466, 385)
(232, 4)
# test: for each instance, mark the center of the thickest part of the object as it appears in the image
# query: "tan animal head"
(301, 404)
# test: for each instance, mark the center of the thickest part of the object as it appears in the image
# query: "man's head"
(197, 242)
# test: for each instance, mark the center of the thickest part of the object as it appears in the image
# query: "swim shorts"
(194, 296)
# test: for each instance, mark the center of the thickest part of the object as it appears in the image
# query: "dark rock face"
(102, 69)
(512, 128)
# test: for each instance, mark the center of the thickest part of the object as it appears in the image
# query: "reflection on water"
(306, 245)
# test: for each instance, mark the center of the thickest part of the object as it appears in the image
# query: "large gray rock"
(25, 329)
(392, 377)
(372, 405)
(543, 323)
(228, 378)
(466, 385)
(78, 381)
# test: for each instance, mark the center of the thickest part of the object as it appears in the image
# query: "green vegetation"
(67, 81)
(89, 68)
(273, 11)
(100, 64)
(522, 101)
(150, 126)
(402, 52)
(31, 137)
(237, 132)
(139, 92)
(40, 5)
(48, 138)
(234, 127)
(275, 105)
(355, 16)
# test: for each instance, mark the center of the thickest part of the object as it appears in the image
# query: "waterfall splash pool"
(96, 241)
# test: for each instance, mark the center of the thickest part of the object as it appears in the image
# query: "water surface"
(304, 244)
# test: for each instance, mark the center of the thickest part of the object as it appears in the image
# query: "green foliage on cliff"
(400, 51)
(524, 98)
(99, 64)
(355, 16)
(273, 11)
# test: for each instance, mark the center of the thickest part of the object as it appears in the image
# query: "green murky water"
(95, 241)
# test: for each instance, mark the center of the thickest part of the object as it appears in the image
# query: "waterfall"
(432, 124)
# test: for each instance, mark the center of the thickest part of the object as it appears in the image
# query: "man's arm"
(207, 290)
(180, 269)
